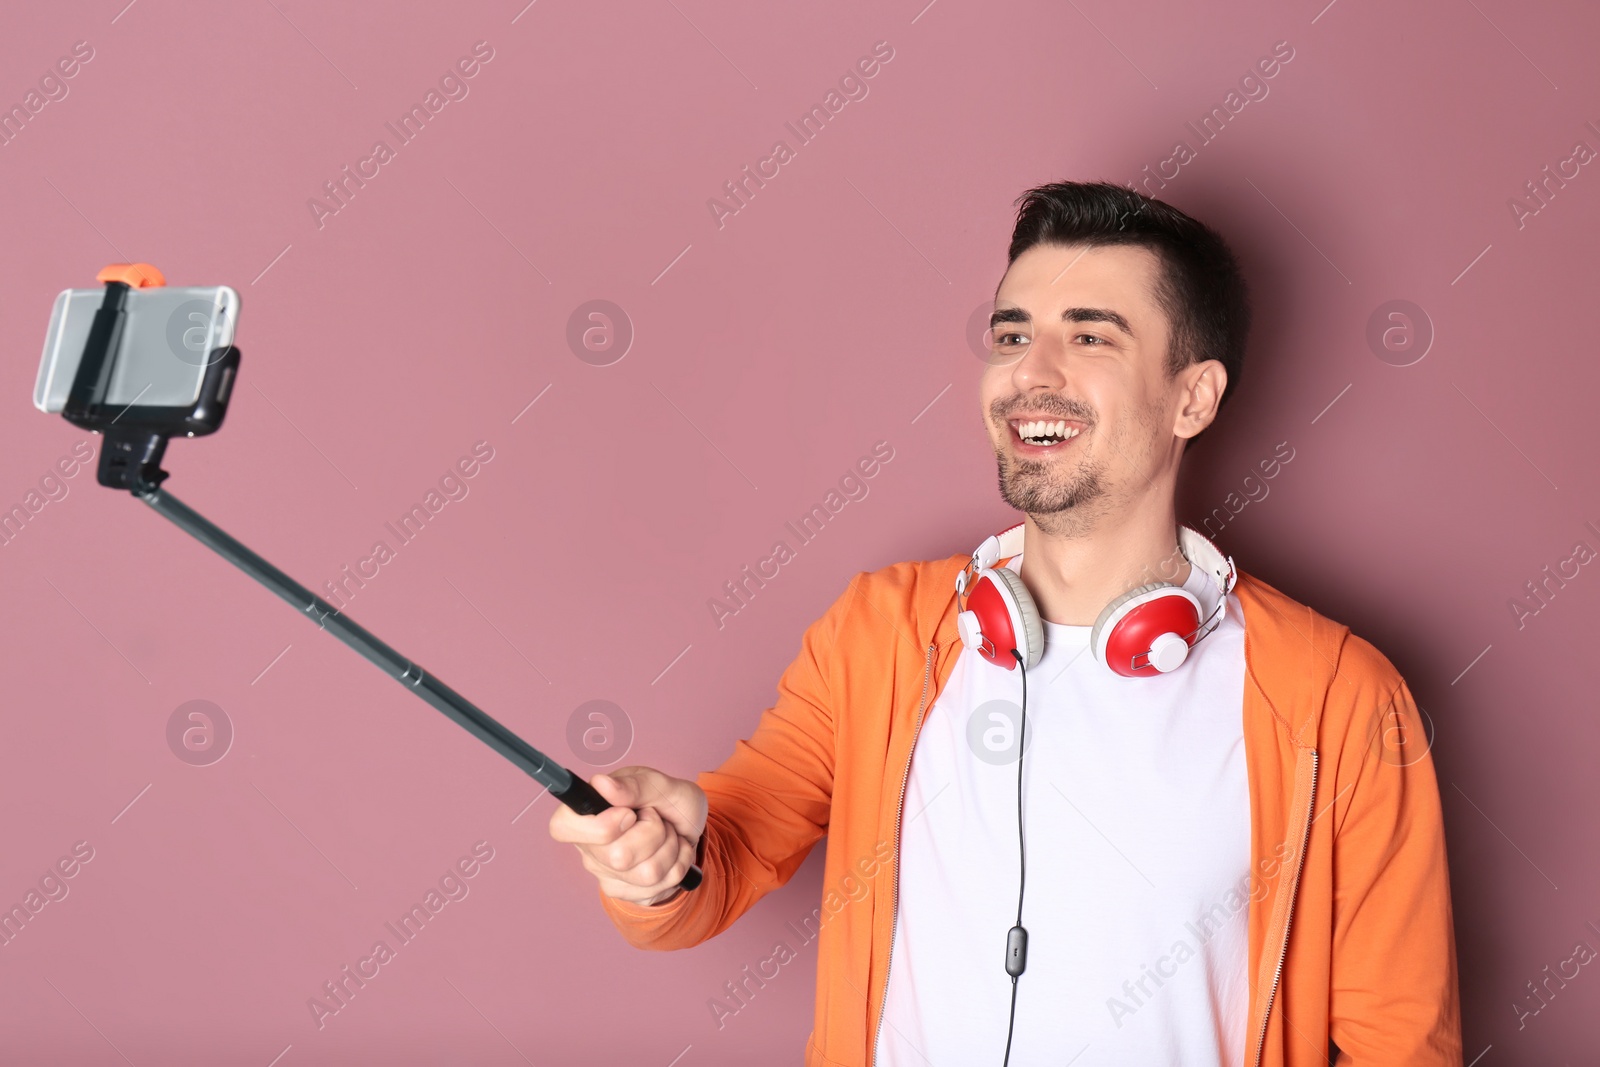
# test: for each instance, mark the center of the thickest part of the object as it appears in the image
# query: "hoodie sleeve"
(1393, 991)
(765, 806)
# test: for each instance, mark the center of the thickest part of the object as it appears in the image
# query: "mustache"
(1051, 405)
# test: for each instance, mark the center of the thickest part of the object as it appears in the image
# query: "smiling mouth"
(1035, 435)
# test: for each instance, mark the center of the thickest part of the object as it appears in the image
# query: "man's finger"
(651, 871)
(638, 843)
(568, 827)
(651, 877)
(623, 788)
(679, 801)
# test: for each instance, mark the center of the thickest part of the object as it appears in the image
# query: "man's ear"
(1203, 384)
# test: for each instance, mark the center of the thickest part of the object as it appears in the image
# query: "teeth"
(1039, 430)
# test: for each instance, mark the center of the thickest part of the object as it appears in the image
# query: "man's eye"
(1092, 337)
(1006, 340)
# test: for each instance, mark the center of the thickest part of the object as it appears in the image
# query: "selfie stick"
(565, 786)
(131, 459)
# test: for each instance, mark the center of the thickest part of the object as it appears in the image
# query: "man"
(1235, 858)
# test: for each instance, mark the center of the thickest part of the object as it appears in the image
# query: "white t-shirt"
(1136, 812)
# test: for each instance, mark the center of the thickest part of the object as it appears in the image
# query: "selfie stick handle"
(565, 786)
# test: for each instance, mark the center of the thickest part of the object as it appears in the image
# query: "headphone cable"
(1017, 936)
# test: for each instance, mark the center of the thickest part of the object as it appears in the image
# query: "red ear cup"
(1147, 630)
(1024, 615)
(1001, 617)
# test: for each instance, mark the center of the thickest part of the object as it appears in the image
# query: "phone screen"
(167, 338)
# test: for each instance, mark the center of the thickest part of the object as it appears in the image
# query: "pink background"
(827, 315)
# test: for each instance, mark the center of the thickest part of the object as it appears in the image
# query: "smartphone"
(167, 340)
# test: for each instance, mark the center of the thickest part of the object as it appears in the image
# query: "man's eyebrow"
(1097, 315)
(1014, 314)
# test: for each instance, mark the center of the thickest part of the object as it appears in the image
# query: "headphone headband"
(1193, 544)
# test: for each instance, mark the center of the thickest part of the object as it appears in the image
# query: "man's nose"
(1041, 364)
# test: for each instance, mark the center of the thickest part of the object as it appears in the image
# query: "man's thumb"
(619, 792)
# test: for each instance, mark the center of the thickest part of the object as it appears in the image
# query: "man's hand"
(638, 856)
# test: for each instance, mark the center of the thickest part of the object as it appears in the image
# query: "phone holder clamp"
(136, 435)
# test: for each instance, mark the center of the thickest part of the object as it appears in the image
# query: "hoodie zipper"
(894, 912)
(1288, 920)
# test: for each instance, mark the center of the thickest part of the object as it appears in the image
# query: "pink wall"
(768, 353)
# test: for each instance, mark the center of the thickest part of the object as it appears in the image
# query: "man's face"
(1079, 338)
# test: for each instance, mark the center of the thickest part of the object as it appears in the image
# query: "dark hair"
(1200, 286)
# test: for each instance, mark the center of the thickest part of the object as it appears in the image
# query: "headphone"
(1144, 632)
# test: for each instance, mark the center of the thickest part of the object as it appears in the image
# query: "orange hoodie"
(1350, 930)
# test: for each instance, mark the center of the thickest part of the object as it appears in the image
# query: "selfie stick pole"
(565, 786)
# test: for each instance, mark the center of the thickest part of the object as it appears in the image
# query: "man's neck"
(1073, 576)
